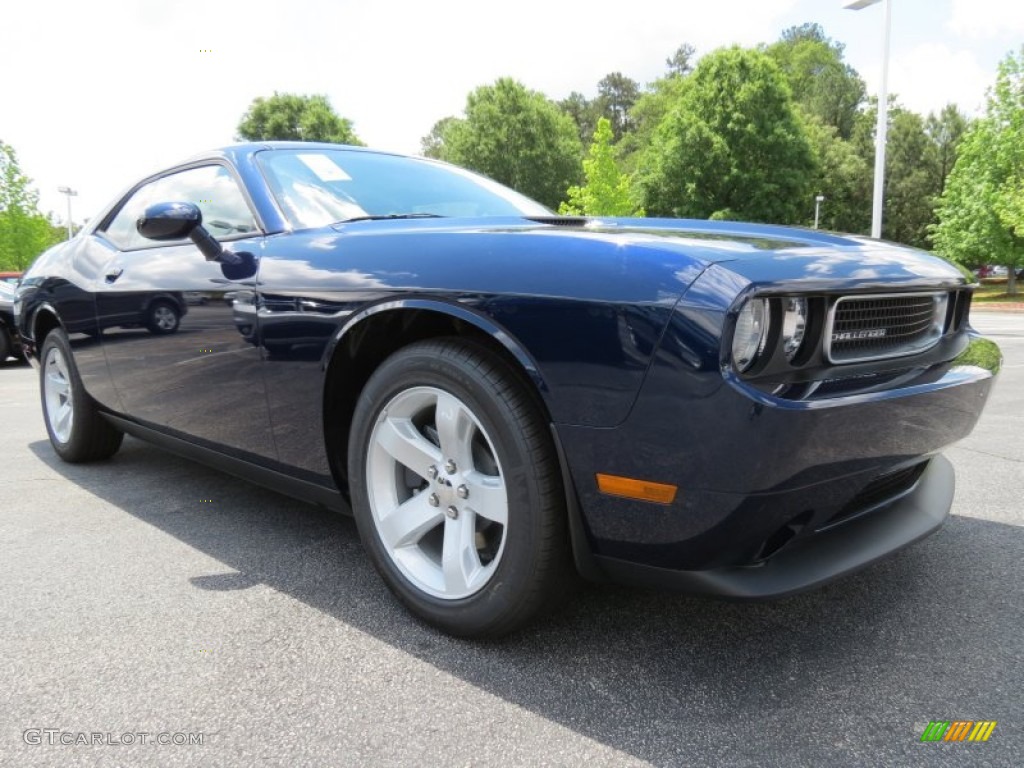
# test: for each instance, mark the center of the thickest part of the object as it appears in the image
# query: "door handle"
(113, 274)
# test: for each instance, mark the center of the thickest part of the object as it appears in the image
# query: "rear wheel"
(163, 317)
(6, 346)
(77, 430)
(456, 489)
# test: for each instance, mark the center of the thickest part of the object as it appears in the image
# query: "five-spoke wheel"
(77, 430)
(60, 408)
(456, 489)
(436, 492)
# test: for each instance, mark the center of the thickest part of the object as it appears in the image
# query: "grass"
(996, 292)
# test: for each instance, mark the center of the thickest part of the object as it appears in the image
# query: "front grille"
(880, 491)
(876, 327)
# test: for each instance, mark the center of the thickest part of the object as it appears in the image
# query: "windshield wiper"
(384, 216)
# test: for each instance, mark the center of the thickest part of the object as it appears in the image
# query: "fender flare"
(458, 311)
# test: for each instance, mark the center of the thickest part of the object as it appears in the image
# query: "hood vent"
(560, 221)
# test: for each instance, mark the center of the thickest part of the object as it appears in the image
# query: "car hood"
(639, 260)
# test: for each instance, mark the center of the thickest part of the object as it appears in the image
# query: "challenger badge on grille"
(873, 333)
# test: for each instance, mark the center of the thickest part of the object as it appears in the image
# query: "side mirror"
(173, 221)
(169, 221)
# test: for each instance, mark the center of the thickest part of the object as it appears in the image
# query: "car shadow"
(648, 673)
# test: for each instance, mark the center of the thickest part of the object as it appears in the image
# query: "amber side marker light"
(644, 490)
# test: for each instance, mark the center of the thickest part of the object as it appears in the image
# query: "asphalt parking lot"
(151, 595)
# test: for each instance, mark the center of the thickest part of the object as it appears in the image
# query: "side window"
(211, 187)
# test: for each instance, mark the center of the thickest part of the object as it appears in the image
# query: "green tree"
(518, 137)
(616, 95)
(24, 232)
(583, 112)
(918, 153)
(730, 145)
(945, 131)
(294, 117)
(912, 185)
(607, 190)
(680, 63)
(843, 177)
(432, 144)
(822, 83)
(646, 115)
(981, 213)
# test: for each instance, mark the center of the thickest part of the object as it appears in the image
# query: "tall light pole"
(883, 116)
(70, 193)
(818, 200)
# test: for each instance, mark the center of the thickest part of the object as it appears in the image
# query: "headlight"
(794, 324)
(751, 333)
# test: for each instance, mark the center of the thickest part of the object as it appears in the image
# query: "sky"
(95, 94)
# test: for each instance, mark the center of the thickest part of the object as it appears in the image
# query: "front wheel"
(456, 489)
(77, 430)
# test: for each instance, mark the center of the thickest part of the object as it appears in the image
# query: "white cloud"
(987, 18)
(107, 90)
(931, 75)
(99, 92)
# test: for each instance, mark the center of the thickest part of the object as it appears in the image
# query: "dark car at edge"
(10, 342)
(507, 399)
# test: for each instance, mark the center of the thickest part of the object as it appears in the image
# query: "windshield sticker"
(324, 168)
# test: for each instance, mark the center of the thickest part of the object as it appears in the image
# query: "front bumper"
(774, 496)
(817, 558)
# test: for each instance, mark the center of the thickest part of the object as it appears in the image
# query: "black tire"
(88, 436)
(6, 346)
(163, 317)
(531, 570)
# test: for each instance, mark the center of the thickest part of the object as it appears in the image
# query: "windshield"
(317, 187)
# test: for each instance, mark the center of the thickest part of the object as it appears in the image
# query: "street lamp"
(818, 200)
(883, 116)
(70, 193)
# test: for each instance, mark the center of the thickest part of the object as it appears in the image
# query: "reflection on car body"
(505, 398)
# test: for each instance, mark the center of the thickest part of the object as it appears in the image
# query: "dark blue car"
(504, 398)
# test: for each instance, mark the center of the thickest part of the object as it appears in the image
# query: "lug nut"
(432, 472)
(452, 512)
(462, 491)
(432, 500)
(449, 466)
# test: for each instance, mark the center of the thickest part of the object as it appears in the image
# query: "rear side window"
(211, 187)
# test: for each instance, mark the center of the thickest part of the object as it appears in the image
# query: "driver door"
(167, 317)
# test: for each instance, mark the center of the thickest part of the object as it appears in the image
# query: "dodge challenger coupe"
(505, 398)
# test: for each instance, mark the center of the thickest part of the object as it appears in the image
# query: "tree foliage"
(432, 145)
(822, 83)
(945, 130)
(730, 145)
(518, 137)
(24, 232)
(616, 95)
(843, 177)
(607, 190)
(680, 63)
(294, 117)
(912, 185)
(981, 214)
(583, 112)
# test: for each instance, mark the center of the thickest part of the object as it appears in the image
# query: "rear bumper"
(816, 559)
